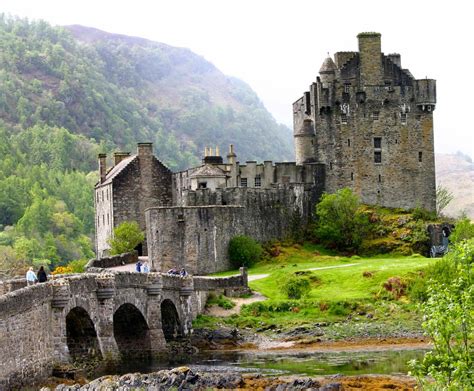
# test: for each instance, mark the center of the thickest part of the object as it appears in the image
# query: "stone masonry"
(47, 324)
(371, 124)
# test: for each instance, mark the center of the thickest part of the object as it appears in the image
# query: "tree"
(340, 221)
(449, 321)
(443, 198)
(244, 251)
(127, 236)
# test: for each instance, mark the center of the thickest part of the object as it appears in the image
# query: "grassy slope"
(343, 290)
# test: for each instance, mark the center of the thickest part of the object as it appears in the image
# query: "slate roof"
(328, 65)
(116, 170)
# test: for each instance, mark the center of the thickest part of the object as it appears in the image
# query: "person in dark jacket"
(41, 275)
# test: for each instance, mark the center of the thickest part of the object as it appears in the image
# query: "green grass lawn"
(335, 292)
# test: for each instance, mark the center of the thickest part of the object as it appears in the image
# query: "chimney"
(370, 54)
(119, 156)
(231, 155)
(145, 149)
(102, 166)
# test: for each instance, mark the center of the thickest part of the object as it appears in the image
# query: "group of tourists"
(176, 272)
(33, 278)
(142, 267)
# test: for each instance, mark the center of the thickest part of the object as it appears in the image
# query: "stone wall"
(113, 260)
(197, 236)
(26, 342)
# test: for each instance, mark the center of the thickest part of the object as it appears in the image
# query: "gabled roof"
(116, 170)
(208, 171)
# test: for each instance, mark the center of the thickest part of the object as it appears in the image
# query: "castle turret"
(425, 94)
(328, 70)
(304, 141)
(370, 52)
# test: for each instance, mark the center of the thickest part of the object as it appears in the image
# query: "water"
(281, 362)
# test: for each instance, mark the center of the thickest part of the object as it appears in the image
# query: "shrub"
(295, 287)
(78, 266)
(340, 308)
(220, 301)
(396, 287)
(341, 221)
(463, 230)
(244, 251)
(127, 236)
(449, 321)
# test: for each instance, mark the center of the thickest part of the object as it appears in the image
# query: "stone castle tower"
(370, 122)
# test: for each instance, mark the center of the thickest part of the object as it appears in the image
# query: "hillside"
(456, 173)
(119, 90)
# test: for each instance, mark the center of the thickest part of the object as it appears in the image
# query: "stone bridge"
(107, 314)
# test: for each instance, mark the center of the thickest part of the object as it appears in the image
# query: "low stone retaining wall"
(113, 260)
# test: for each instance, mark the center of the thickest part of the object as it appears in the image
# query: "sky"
(277, 46)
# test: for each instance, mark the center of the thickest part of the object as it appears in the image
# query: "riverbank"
(184, 378)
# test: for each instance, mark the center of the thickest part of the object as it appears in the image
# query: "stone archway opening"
(131, 332)
(81, 336)
(170, 321)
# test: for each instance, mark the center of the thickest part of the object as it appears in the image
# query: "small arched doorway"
(170, 321)
(131, 332)
(81, 336)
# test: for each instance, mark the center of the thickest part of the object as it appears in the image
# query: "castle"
(365, 123)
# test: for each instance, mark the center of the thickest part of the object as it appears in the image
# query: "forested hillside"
(68, 93)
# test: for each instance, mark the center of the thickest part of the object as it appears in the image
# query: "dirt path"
(239, 302)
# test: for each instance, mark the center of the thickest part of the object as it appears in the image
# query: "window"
(258, 181)
(344, 119)
(375, 115)
(347, 88)
(403, 118)
(420, 156)
(107, 194)
(380, 178)
(352, 176)
(377, 142)
(102, 195)
(202, 185)
(348, 142)
(98, 221)
(243, 182)
(330, 166)
(377, 157)
(108, 221)
(103, 219)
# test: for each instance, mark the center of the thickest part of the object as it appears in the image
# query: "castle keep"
(370, 122)
(365, 123)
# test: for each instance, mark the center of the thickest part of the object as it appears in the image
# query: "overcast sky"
(278, 46)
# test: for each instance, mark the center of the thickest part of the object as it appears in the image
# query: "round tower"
(328, 70)
(304, 142)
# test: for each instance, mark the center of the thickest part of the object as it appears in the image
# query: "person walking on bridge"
(42, 277)
(31, 276)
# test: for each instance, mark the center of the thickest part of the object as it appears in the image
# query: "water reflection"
(301, 363)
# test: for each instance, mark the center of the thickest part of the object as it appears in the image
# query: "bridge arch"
(81, 336)
(170, 320)
(131, 331)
